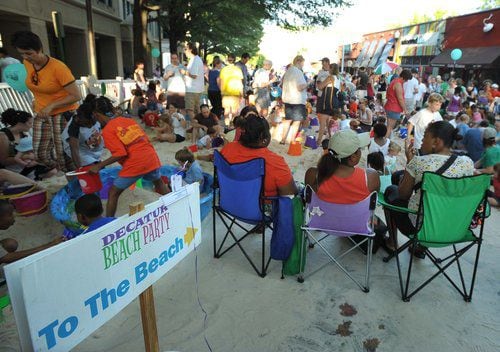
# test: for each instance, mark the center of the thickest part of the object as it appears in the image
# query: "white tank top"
(374, 147)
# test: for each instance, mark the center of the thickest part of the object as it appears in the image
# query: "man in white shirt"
(410, 89)
(419, 122)
(176, 87)
(294, 97)
(6, 60)
(194, 78)
(263, 79)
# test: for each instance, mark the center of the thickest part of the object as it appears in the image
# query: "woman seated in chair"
(436, 148)
(337, 179)
(255, 138)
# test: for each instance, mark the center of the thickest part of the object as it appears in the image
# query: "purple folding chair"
(342, 220)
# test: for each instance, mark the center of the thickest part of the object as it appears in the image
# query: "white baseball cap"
(345, 143)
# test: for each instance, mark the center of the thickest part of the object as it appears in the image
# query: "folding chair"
(342, 220)
(443, 219)
(239, 199)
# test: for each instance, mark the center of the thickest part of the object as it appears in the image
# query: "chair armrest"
(386, 205)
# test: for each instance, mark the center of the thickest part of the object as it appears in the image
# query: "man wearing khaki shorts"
(231, 86)
(194, 80)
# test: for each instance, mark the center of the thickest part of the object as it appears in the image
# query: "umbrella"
(385, 67)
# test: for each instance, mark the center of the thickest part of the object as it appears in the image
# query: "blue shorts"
(295, 112)
(126, 182)
(393, 115)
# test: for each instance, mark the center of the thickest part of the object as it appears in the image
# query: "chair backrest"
(341, 219)
(241, 187)
(447, 207)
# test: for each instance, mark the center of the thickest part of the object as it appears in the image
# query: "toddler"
(192, 171)
(26, 157)
(206, 140)
(392, 157)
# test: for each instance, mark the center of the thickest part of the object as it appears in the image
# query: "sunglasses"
(34, 78)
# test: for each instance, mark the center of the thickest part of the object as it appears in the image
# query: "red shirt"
(125, 138)
(392, 103)
(350, 190)
(278, 173)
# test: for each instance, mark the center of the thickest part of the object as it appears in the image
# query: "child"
(191, 167)
(130, 146)
(392, 157)
(379, 143)
(375, 160)
(206, 140)
(26, 157)
(88, 209)
(378, 109)
(476, 115)
(463, 127)
(354, 124)
(324, 145)
(353, 108)
(174, 126)
(344, 123)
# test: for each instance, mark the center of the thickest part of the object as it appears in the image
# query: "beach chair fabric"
(324, 219)
(447, 206)
(238, 200)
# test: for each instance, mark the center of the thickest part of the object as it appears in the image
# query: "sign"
(63, 294)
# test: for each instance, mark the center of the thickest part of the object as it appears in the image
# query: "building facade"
(112, 20)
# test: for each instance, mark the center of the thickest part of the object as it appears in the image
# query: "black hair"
(376, 161)
(204, 106)
(245, 56)
(26, 40)
(11, 117)
(484, 123)
(193, 48)
(238, 121)
(137, 92)
(247, 109)
(89, 205)
(103, 105)
(138, 62)
(89, 98)
(254, 131)
(85, 111)
(152, 85)
(379, 130)
(231, 58)
(4, 51)
(444, 131)
(406, 75)
(211, 130)
(328, 164)
(324, 144)
(173, 104)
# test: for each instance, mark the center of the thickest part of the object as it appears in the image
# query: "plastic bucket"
(193, 148)
(403, 132)
(295, 149)
(311, 142)
(90, 183)
(31, 203)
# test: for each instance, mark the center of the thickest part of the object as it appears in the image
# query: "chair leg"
(460, 273)
(474, 271)
(305, 237)
(368, 265)
(413, 248)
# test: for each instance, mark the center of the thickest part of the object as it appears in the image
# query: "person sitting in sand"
(203, 121)
(205, 142)
(9, 246)
(379, 143)
(190, 167)
(173, 129)
(130, 146)
(88, 209)
(253, 143)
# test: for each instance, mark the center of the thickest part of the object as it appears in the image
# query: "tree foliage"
(489, 4)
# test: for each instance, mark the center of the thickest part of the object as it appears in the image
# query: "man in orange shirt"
(56, 98)
(129, 146)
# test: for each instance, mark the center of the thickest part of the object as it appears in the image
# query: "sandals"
(419, 251)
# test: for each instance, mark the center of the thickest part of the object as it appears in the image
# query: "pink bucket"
(31, 204)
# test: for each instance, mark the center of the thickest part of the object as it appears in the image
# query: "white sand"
(248, 313)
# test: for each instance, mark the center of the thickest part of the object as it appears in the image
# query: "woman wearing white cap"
(337, 179)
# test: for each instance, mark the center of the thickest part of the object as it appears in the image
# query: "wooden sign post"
(147, 303)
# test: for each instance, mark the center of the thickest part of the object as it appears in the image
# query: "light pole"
(91, 39)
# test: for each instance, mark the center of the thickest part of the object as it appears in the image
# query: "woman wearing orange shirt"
(337, 179)
(55, 98)
(129, 145)
(255, 138)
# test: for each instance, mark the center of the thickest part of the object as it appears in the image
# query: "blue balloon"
(15, 76)
(155, 52)
(456, 54)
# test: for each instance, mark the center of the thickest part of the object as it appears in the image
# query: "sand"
(249, 313)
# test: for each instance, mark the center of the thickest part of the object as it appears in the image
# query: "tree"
(140, 28)
(489, 4)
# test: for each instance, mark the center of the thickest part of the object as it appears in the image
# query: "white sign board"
(61, 295)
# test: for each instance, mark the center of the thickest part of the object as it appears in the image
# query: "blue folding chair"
(238, 199)
(323, 220)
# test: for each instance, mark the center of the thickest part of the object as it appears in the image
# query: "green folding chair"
(447, 206)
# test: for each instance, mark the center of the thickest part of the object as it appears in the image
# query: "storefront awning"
(481, 56)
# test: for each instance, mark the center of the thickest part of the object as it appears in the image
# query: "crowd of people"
(440, 117)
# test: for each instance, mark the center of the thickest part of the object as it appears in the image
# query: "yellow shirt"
(52, 78)
(231, 79)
